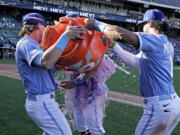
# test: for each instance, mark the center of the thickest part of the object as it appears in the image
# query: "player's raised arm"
(114, 32)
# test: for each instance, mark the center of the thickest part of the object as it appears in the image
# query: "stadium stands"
(9, 30)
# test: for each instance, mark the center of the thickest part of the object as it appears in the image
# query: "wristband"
(62, 42)
(99, 26)
(79, 81)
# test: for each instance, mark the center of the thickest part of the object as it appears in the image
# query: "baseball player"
(89, 96)
(36, 70)
(162, 104)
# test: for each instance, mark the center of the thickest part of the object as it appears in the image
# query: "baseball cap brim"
(141, 23)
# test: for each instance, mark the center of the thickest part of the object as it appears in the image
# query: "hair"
(161, 26)
(27, 29)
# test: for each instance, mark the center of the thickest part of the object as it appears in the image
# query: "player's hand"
(89, 22)
(109, 41)
(74, 32)
(66, 84)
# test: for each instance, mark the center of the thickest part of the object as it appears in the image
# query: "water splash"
(67, 105)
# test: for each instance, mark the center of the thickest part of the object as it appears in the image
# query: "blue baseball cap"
(34, 18)
(73, 15)
(153, 15)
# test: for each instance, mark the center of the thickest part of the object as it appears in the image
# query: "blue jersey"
(36, 80)
(156, 65)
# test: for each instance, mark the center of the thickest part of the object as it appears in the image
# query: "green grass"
(121, 119)
(177, 80)
(13, 118)
(10, 61)
(122, 82)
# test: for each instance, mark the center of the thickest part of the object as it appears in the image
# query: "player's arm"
(127, 57)
(52, 54)
(114, 32)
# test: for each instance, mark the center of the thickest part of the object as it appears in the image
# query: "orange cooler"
(79, 55)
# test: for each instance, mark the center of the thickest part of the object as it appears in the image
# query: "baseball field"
(121, 119)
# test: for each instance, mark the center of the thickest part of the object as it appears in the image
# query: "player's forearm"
(117, 33)
(51, 55)
(121, 34)
(127, 57)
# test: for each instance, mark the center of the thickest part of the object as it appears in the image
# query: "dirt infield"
(177, 67)
(10, 70)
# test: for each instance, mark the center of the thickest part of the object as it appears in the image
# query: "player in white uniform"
(162, 104)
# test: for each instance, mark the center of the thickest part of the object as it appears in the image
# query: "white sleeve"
(127, 57)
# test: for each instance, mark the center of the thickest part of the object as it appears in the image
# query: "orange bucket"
(79, 55)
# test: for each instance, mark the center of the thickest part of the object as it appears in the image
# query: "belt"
(40, 97)
(165, 97)
(162, 98)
